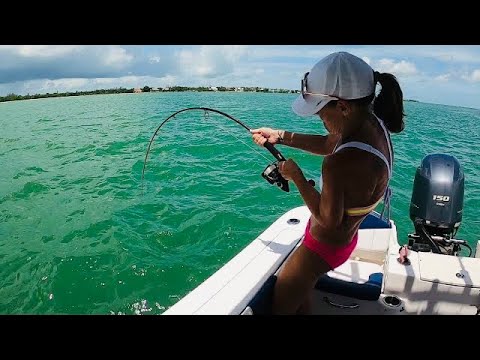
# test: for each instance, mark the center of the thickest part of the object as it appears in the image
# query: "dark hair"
(387, 105)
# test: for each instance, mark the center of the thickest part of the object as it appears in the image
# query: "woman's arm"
(327, 208)
(316, 144)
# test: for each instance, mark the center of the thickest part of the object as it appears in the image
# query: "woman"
(356, 170)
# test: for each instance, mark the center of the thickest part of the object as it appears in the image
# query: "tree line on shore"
(121, 90)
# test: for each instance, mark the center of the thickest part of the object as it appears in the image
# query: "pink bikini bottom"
(333, 255)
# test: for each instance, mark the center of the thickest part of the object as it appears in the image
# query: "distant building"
(137, 90)
(154, 89)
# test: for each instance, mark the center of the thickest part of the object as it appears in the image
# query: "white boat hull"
(372, 281)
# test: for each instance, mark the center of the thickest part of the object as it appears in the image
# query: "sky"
(442, 74)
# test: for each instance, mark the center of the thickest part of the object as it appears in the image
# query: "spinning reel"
(272, 173)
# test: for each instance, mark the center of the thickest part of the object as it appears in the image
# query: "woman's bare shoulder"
(352, 162)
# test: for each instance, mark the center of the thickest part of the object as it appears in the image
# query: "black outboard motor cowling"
(436, 206)
(437, 196)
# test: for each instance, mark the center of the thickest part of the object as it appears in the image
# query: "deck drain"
(293, 221)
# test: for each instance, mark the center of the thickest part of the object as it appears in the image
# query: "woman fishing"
(356, 170)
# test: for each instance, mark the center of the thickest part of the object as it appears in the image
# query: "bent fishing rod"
(271, 172)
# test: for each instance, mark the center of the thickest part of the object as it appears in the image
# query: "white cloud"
(474, 76)
(40, 51)
(233, 52)
(154, 59)
(131, 81)
(84, 84)
(210, 61)
(63, 84)
(116, 56)
(400, 68)
(114, 81)
(258, 52)
(421, 69)
(443, 77)
(442, 53)
(465, 54)
(29, 62)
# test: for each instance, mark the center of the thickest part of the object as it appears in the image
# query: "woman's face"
(332, 117)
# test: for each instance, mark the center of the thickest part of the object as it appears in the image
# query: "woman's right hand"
(261, 135)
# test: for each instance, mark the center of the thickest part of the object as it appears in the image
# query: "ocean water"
(81, 234)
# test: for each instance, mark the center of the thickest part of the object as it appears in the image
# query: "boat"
(430, 275)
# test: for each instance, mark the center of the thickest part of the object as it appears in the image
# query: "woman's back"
(362, 174)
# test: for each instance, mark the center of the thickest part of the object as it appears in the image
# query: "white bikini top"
(374, 151)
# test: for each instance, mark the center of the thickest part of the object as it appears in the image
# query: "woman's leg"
(296, 280)
(307, 305)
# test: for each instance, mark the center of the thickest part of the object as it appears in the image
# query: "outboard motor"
(436, 207)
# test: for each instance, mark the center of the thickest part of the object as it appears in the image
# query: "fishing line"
(207, 116)
(173, 116)
(271, 172)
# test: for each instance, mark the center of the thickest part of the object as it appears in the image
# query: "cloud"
(49, 68)
(210, 61)
(63, 84)
(400, 68)
(116, 56)
(40, 51)
(30, 62)
(83, 84)
(469, 54)
(443, 77)
(312, 53)
(463, 54)
(441, 53)
(474, 76)
(154, 59)
(366, 59)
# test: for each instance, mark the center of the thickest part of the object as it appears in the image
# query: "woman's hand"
(261, 135)
(290, 170)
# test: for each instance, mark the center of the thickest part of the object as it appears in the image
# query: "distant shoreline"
(176, 89)
(15, 97)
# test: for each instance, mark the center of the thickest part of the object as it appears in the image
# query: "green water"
(79, 236)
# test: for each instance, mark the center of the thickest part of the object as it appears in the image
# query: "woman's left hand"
(289, 170)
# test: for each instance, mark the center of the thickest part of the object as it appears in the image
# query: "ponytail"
(388, 105)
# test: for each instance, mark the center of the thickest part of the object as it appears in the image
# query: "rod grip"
(274, 151)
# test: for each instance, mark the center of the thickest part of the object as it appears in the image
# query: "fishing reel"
(272, 172)
(273, 176)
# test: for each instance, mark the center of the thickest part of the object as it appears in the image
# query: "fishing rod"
(271, 172)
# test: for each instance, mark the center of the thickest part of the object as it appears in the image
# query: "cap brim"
(304, 108)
